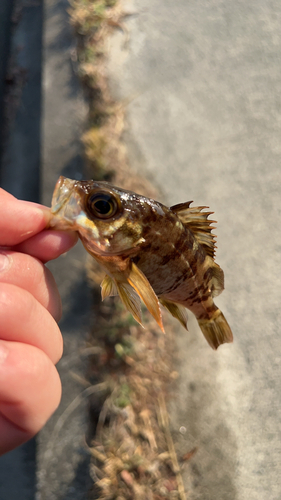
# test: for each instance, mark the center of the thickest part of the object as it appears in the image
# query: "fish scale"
(150, 252)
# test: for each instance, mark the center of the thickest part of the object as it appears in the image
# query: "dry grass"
(93, 21)
(132, 448)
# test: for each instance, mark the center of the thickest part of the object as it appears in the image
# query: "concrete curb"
(6, 7)
(62, 470)
(20, 173)
(20, 170)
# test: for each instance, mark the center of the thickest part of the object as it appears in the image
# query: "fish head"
(108, 219)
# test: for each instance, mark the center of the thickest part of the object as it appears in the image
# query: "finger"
(30, 391)
(24, 319)
(20, 219)
(48, 244)
(30, 274)
(4, 195)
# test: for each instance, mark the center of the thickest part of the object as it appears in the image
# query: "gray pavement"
(206, 127)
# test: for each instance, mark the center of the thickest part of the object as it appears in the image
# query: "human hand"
(30, 306)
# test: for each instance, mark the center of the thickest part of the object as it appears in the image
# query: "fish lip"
(65, 205)
(62, 192)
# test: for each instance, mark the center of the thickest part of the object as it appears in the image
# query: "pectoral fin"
(143, 288)
(108, 288)
(176, 310)
(130, 300)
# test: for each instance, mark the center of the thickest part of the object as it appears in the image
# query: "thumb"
(19, 219)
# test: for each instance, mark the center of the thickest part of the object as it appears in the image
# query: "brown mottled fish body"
(148, 250)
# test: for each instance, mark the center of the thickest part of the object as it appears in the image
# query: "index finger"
(19, 219)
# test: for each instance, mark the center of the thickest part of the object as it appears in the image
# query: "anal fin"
(176, 310)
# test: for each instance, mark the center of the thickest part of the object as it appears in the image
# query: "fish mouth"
(62, 192)
(65, 204)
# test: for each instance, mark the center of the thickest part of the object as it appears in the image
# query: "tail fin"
(216, 330)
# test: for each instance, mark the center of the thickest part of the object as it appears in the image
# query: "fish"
(150, 252)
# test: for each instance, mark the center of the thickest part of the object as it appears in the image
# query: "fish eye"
(102, 205)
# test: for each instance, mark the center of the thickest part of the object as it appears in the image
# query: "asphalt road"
(206, 127)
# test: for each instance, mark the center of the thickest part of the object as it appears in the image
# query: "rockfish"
(149, 251)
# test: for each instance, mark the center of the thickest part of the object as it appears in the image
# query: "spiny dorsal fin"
(197, 222)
